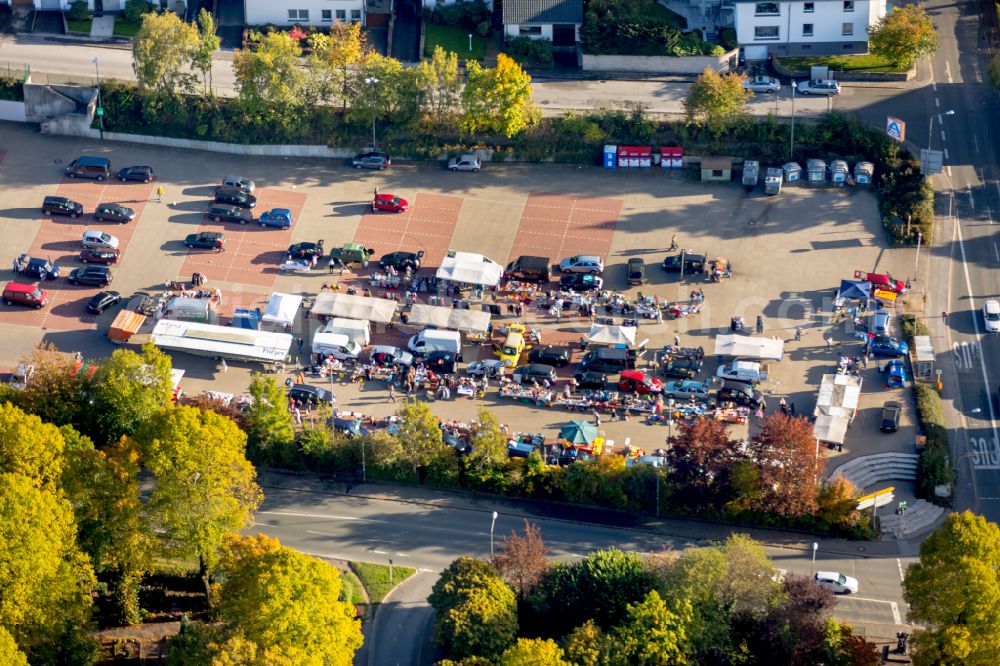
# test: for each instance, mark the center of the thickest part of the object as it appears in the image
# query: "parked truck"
(747, 372)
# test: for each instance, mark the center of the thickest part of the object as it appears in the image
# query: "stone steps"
(866, 471)
(920, 516)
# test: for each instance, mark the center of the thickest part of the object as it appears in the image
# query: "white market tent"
(451, 318)
(836, 405)
(832, 429)
(334, 304)
(603, 334)
(744, 346)
(470, 268)
(281, 309)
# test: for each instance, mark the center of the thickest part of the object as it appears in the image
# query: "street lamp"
(815, 548)
(372, 81)
(930, 126)
(492, 525)
(791, 148)
(100, 109)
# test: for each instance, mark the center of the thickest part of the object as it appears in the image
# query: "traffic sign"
(878, 498)
(100, 111)
(931, 161)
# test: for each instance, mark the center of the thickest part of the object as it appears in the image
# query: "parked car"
(311, 394)
(819, 87)
(762, 84)
(206, 240)
(441, 362)
(33, 267)
(591, 380)
(402, 260)
(234, 196)
(636, 271)
(638, 381)
(891, 412)
(276, 218)
(991, 316)
(555, 356)
(387, 355)
(103, 300)
(93, 238)
(534, 372)
(99, 256)
(112, 212)
(240, 183)
(581, 282)
(837, 582)
(227, 213)
(464, 163)
(373, 159)
(390, 203)
(690, 262)
(741, 394)
(582, 264)
(884, 345)
(61, 206)
(305, 250)
(491, 367)
(99, 276)
(886, 281)
(682, 368)
(142, 174)
(18, 293)
(686, 389)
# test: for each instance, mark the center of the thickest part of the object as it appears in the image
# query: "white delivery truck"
(431, 340)
(357, 330)
(221, 342)
(337, 345)
(748, 372)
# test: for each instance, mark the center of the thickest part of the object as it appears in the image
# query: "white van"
(432, 340)
(336, 345)
(748, 372)
(94, 238)
(357, 330)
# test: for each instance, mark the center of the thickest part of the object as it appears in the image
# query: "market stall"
(450, 318)
(125, 325)
(604, 334)
(470, 268)
(282, 308)
(352, 306)
(836, 406)
(745, 346)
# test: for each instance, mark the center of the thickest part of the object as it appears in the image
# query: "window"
(809, 7)
(341, 14)
(807, 29)
(766, 9)
(766, 32)
(327, 15)
(355, 15)
(848, 5)
(847, 30)
(298, 14)
(718, 173)
(806, 47)
(529, 30)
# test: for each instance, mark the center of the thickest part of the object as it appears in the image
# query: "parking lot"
(789, 254)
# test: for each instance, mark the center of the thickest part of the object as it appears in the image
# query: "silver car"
(762, 84)
(819, 87)
(464, 163)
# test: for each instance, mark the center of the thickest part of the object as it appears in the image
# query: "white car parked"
(582, 264)
(837, 582)
(762, 84)
(991, 315)
(819, 87)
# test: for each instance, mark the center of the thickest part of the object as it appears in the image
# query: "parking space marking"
(428, 225)
(552, 223)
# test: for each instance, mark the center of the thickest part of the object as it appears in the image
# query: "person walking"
(677, 340)
(798, 334)
(392, 393)
(597, 419)
(760, 324)
(829, 343)
(673, 243)
(159, 194)
(225, 366)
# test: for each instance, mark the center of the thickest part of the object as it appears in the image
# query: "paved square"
(557, 226)
(428, 225)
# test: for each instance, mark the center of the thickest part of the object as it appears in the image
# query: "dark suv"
(236, 197)
(33, 267)
(112, 212)
(99, 276)
(224, 213)
(142, 174)
(311, 394)
(685, 262)
(741, 394)
(61, 206)
(206, 240)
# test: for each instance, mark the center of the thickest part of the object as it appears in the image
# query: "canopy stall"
(836, 405)
(603, 334)
(452, 318)
(335, 304)
(855, 290)
(470, 268)
(744, 346)
(282, 308)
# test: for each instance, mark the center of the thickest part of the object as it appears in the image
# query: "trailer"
(772, 181)
(751, 171)
(221, 342)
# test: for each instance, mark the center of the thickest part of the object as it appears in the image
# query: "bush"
(530, 52)
(11, 89)
(993, 71)
(78, 11)
(727, 38)
(135, 9)
(934, 468)
(912, 326)
(468, 14)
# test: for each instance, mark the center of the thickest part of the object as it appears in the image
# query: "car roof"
(636, 260)
(992, 306)
(377, 349)
(280, 211)
(827, 575)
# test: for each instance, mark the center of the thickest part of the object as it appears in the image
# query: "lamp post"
(372, 81)
(815, 548)
(492, 525)
(100, 109)
(791, 148)
(930, 125)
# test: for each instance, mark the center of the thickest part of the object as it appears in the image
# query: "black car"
(441, 362)
(33, 267)
(402, 260)
(373, 159)
(103, 300)
(591, 380)
(142, 174)
(534, 372)
(636, 271)
(681, 368)
(99, 276)
(61, 206)
(385, 355)
(305, 250)
(311, 394)
(581, 282)
(235, 197)
(557, 356)
(206, 240)
(112, 212)
(691, 263)
(91, 255)
(741, 394)
(230, 214)
(891, 411)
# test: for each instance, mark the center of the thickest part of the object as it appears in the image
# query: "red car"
(95, 256)
(389, 202)
(640, 382)
(885, 281)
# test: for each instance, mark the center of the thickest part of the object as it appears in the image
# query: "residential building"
(304, 12)
(555, 20)
(799, 28)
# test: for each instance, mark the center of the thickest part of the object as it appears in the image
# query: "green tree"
(588, 645)
(652, 634)
(267, 421)
(270, 80)
(162, 48)
(384, 89)
(903, 36)
(336, 56)
(489, 445)
(208, 44)
(420, 432)
(461, 574)
(716, 100)
(533, 652)
(441, 84)
(204, 486)
(483, 623)
(30, 448)
(125, 391)
(10, 654)
(499, 99)
(954, 591)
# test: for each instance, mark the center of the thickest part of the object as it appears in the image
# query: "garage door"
(755, 52)
(564, 35)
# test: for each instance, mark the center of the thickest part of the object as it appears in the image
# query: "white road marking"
(324, 516)
(975, 143)
(996, 251)
(947, 169)
(937, 102)
(946, 157)
(972, 200)
(380, 552)
(899, 565)
(896, 618)
(943, 137)
(947, 71)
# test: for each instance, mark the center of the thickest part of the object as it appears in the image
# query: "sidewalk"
(103, 27)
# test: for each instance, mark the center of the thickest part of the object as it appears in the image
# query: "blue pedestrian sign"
(895, 128)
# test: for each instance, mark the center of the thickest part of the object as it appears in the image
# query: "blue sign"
(895, 128)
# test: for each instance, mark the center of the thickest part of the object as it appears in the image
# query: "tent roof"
(470, 268)
(743, 345)
(831, 428)
(452, 318)
(281, 308)
(602, 334)
(838, 394)
(855, 289)
(334, 304)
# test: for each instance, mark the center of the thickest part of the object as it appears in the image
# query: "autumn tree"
(954, 591)
(31, 448)
(55, 390)
(499, 99)
(269, 78)
(533, 652)
(462, 573)
(161, 51)
(335, 57)
(588, 645)
(903, 36)
(521, 560)
(441, 83)
(125, 391)
(208, 44)
(716, 100)
(784, 453)
(10, 654)
(204, 486)
(699, 457)
(482, 622)
(267, 421)
(489, 445)
(794, 631)
(653, 634)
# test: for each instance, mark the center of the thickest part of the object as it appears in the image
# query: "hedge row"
(934, 468)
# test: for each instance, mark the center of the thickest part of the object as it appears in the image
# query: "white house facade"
(558, 21)
(798, 28)
(304, 12)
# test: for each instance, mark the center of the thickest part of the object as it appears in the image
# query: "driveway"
(406, 32)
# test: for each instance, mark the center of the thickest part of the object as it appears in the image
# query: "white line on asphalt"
(895, 613)
(972, 199)
(943, 137)
(380, 552)
(975, 142)
(947, 71)
(402, 554)
(899, 565)
(946, 157)
(996, 251)
(937, 102)
(877, 601)
(989, 214)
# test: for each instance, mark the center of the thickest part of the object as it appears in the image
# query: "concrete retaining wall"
(847, 76)
(12, 111)
(659, 64)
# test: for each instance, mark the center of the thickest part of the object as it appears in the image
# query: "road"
(60, 62)
(427, 530)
